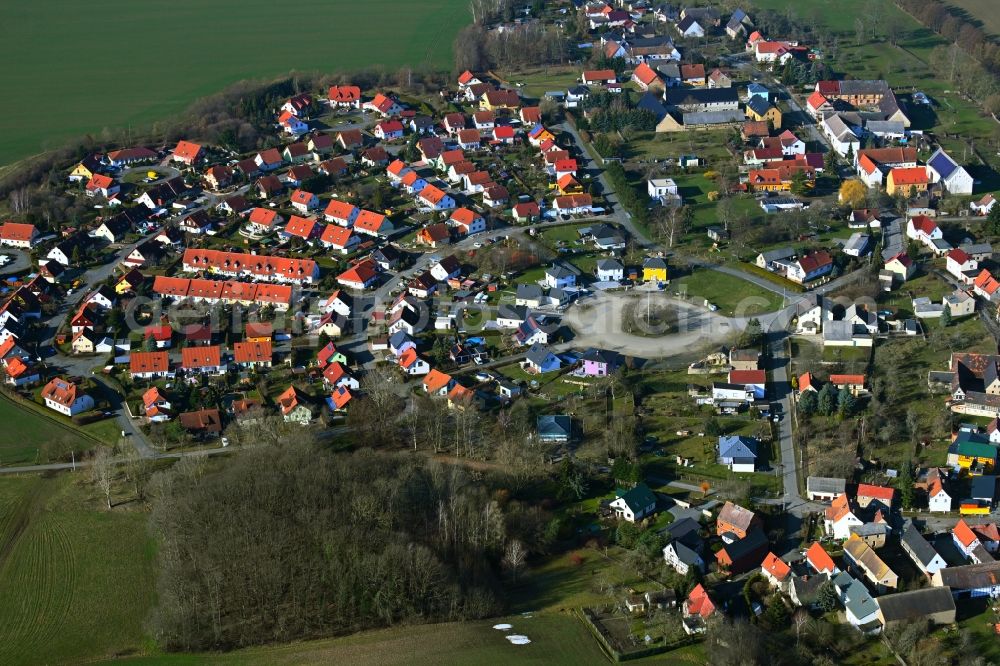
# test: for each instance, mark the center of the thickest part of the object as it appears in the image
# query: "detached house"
(14, 234)
(839, 518)
(634, 504)
(65, 397)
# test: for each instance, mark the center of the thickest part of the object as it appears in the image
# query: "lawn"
(556, 638)
(29, 437)
(730, 294)
(76, 582)
(164, 56)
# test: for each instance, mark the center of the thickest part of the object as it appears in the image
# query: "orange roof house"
(775, 569)
(820, 560)
(149, 364)
(646, 77)
(906, 180)
(868, 493)
(360, 276)
(698, 603)
(437, 382)
(252, 353)
(187, 152)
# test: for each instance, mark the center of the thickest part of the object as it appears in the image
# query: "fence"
(589, 618)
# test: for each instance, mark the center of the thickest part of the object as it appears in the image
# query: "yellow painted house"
(972, 456)
(654, 269)
(84, 170)
(760, 109)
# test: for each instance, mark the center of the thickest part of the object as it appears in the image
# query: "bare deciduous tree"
(102, 471)
(514, 557)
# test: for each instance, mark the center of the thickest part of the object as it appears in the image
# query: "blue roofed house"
(540, 360)
(737, 452)
(634, 504)
(758, 90)
(554, 428)
(943, 169)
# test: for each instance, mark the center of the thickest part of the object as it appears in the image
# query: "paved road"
(20, 261)
(618, 213)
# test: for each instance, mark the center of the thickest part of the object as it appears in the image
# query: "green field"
(30, 438)
(556, 638)
(983, 11)
(74, 69)
(76, 582)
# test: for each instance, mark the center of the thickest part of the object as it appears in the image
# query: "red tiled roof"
(964, 533)
(747, 377)
(187, 151)
(335, 235)
(775, 566)
(252, 352)
(600, 75)
(645, 75)
(361, 273)
(61, 391)
(819, 558)
(909, 176)
(877, 492)
(143, 362)
(850, 380)
(16, 231)
(256, 264)
(201, 357)
(344, 93)
(924, 224)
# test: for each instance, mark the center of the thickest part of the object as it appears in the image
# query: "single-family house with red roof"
(526, 211)
(187, 153)
(434, 198)
(467, 221)
(389, 130)
(344, 97)
(304, 202)
(879, 496)
(20, 235)
(820, 561)
(339, 239)
(360, 276)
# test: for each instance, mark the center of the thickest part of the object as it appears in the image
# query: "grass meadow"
(71, 70)
(556, 638)
(29, 438)
(983, 11)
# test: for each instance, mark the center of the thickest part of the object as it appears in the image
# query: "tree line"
(291, 542)
(531, 44)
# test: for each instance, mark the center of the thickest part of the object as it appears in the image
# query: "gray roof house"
(766, 259)
(554, 428)
(824, 487)
(857, 245)
(529, 294)
(738, 452)
(933, 603)
(920, 551)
